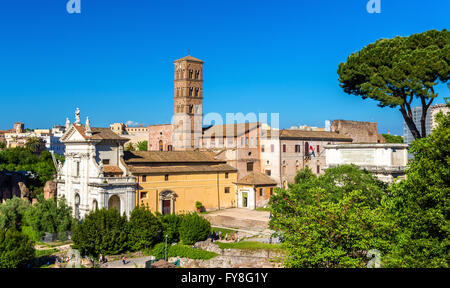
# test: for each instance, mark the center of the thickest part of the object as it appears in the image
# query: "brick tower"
(188, 103)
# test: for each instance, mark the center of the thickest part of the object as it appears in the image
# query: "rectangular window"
(166, 177)
(297, 149)
(261, 192)
(284, 148)
(249, 166)
(105, 161)
(144, 178)
(226, 175)
(318, 149)
(262, 148)
(271, 191)
(318, 169)
(144, 195)
(227, 190)
(268, 172)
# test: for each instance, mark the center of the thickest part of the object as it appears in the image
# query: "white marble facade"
(82, 180)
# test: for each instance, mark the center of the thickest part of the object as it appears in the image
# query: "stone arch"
(94, 205)
(114, 202)
(167, 200)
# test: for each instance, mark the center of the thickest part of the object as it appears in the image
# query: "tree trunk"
(410, 123)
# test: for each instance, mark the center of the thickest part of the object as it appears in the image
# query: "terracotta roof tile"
(211, 168)
(131, 157)
(313, 135)
(256, 178)
(112, 169)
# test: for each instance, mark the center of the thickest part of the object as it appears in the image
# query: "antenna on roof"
(189, 52)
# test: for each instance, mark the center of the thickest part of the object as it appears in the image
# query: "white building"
(386, 161)
(93, 175)
(430, 122)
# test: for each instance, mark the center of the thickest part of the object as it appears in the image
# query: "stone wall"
(157, 133)
(360, 132)
(234, 258)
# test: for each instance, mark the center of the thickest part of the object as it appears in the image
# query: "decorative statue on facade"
(101, 169)
(88, 127)
(77, 117)
(67, 124)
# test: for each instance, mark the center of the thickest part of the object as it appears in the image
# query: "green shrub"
(16, 249)
(194, 228)
(171, 227)
(12, 213)
(50, 216)
(145, 229)
(182, 251)
(102, 231)
(29, 231)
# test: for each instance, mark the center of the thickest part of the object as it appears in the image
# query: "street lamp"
(166, 249)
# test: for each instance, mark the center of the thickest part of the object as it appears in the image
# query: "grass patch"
(249, 245)
(224, 231)
(43, 253)
(182, 251)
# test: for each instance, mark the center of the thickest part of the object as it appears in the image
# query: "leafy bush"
(12, 213)
(194, 228)
(23, 159)
(16, 249)
(171, 227)
(422, 203)
(50, 216)
(102, 231)
(182, 251)
(145, 229)
(31, 233)
(332, 220)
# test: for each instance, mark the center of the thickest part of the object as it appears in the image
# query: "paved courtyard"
(239, 218)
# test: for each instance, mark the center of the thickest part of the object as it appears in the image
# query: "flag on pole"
(311, 149)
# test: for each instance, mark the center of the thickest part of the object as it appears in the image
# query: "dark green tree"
(102, 231)
(12, 213)
(194, 228)
(16, 249)
(50, 216)
(423, 202)
(396, 71)
(145, 229)
(333, 220)
(35, 144)
(171, 227)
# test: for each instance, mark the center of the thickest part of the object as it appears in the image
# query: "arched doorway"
(114, 203)
(167, 202)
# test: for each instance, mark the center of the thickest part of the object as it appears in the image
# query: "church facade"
(93, 175)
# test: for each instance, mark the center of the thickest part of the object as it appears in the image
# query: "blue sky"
(114, 60)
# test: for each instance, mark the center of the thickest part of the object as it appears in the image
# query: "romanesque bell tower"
(188, 103)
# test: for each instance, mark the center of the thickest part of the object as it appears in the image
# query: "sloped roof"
(112, 169)
(169, 157)
(313, 135)
(233, 129)
(194, 168)
(188, 58)
(256, 178)
(99, 133)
